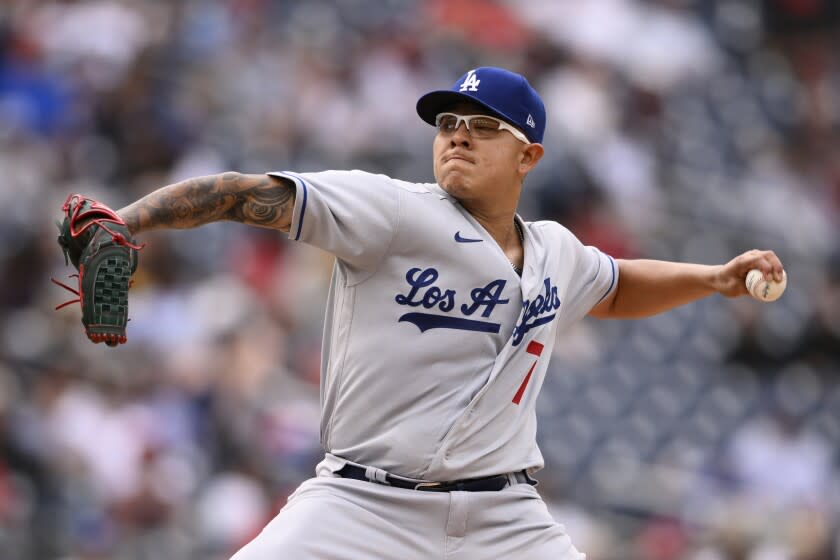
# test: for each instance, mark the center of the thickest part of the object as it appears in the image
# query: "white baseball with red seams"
(762, 289)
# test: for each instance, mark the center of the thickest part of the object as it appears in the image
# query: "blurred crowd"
(677, 129)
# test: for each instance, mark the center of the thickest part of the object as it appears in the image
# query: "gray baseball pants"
(330, 518)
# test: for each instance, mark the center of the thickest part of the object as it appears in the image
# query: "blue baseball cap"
(505, 94)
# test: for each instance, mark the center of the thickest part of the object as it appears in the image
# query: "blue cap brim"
(433, 103)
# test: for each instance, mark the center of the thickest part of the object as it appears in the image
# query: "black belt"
(484, 484)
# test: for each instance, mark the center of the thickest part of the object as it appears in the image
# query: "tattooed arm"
(257, 200)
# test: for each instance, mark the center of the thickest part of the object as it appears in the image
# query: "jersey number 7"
(536, 349)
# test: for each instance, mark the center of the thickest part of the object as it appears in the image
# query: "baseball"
(761, 289)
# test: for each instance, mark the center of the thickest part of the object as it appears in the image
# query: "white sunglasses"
(479, 126)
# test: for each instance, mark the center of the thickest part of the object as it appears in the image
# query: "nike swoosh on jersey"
(460, 239)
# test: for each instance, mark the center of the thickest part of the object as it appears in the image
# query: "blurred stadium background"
(678, 129)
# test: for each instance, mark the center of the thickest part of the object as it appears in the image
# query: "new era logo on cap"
(504, 93)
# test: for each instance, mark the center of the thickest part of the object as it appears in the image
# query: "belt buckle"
(429, 486)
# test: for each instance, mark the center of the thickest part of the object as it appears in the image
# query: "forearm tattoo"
(257, 200)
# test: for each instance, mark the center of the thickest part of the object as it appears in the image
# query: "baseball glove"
(98, 243)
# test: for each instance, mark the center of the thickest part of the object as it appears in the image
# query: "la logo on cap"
(471, 83)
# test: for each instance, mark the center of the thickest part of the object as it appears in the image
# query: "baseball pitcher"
(442, 313)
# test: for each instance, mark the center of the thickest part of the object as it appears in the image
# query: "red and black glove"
(98, 243)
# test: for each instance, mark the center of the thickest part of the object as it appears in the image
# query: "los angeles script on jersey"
(423, 292)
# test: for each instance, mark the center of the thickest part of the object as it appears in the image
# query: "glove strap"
(74, 205)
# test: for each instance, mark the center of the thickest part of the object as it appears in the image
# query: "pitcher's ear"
(531, 155)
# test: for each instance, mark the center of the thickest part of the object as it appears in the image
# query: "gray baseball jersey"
(434, 349)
